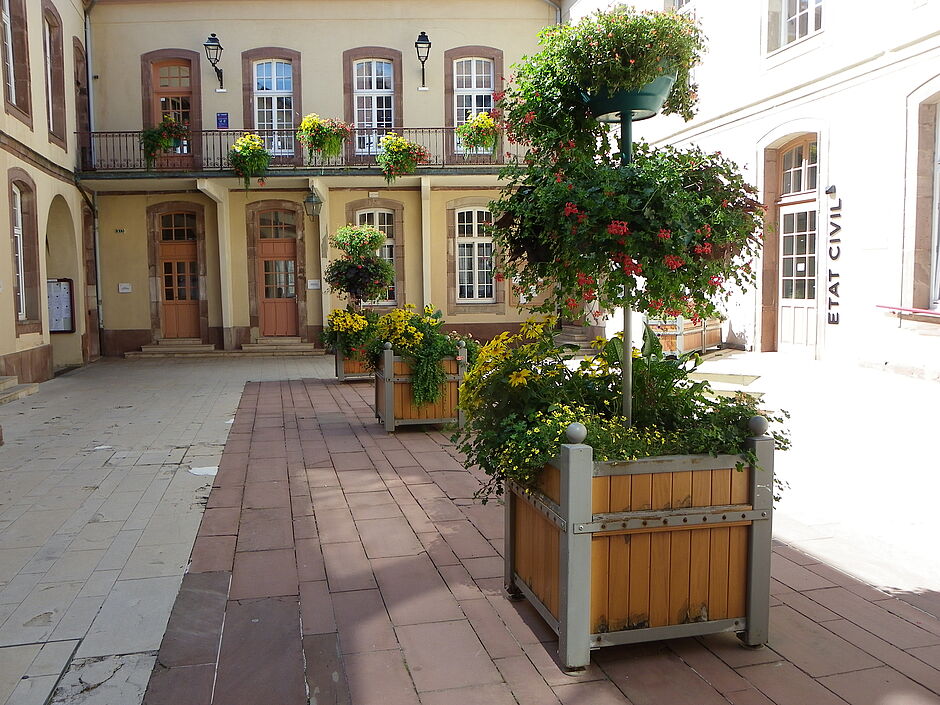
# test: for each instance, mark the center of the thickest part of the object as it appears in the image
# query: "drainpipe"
(557, 6)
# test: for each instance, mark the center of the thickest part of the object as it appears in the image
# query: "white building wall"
(859, 83)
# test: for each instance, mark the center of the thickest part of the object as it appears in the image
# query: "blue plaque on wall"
(221, 121)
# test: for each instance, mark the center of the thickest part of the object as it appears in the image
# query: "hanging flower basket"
(399, 156)
(323, 136)
(607, 105)
(169, 134)
(478, 134)
(249, 158)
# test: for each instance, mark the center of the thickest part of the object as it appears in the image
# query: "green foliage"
(420, 340)
(324, 136)
(349, 332)
(249, 158)
(399, 156)
(523, 392)
(673, 232)
(360, 273)
(161, 138)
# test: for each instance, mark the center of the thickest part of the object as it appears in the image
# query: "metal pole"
(626, 156)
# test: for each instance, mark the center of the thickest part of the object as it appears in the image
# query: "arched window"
(24, 235)
(54, 64)
(473, 90)
(273, 103)
(374, 99)
(474, 256)
(799, 166)
(383, 220)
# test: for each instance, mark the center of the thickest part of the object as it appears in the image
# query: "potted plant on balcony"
(479, 133)
(418, 367)
(249, 158)
(359, 275)
(399, 156)
(323, 136)
(669, 232)
(162, 137)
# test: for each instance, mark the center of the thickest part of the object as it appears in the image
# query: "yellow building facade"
(181, 252)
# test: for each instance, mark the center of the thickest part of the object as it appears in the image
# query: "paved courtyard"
(334, 562)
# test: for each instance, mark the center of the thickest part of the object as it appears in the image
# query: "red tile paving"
(340, 565)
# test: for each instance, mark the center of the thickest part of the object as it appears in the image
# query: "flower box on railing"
(394, 403)
(634, 551)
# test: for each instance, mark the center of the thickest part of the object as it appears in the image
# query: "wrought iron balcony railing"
(207, 150)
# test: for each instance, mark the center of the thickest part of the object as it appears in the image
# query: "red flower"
(571, 303)
(529, 117)
(499, 276)
(656, 304)
(715, 281)
(664, 234)
(703, 249)
(570, 209)
(673, 262)
(618, 227)
(588, 295)
(499, 95)
(584, 279)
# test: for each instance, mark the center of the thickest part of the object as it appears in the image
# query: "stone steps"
(12, 392)
(184, 348)
(7, 382)
(279, 347)
(137, 355)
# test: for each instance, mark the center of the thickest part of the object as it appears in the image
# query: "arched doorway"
(63, 286)
(277, 297)
(790, 319)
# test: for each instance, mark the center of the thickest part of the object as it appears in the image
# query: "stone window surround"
(148, 62)
(20, 109)
(398, 211)
(57, 126)
(498, 307)
(456, 54)
(252, 211)
(30, 240)
(154, 212)
(249, 58)
(928, 128)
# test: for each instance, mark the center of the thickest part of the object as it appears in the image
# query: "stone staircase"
(11, 389)
(280, 346)
(172, 347)
(576, 335)
(193, 347)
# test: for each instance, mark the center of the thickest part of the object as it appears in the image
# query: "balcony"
(207, 151)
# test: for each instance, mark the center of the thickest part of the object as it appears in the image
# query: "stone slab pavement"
(337, 564)
(98, 514)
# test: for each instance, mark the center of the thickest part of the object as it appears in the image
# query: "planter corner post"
(388, 380)
(574, 617)
(759, 542)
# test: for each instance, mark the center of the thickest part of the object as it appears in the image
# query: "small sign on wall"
(221, 121)
(313, 283)
(125, 288)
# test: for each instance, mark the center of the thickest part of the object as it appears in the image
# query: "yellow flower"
(598, 343)
(517, 379)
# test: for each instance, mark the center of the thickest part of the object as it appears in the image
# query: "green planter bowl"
(642, 104)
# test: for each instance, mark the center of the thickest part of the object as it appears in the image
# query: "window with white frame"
(8, 71)
(791, 20)
(373, 98)
(383, 220)
(474, 257)
(19, 278)
(473, 90)
(799, 168)
(274, 104)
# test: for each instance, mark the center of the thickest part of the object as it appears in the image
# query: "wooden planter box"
(394, 404)
(680, 335)
(625, 552)
(347, 370)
